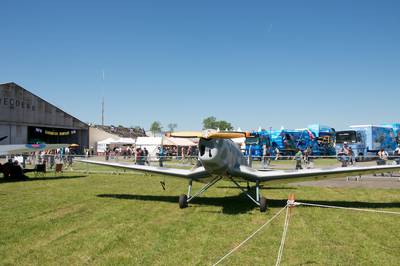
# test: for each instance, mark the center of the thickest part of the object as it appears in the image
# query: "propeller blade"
(228, 135)
(185, 134)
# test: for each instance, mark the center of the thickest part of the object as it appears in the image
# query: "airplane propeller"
(208, 134)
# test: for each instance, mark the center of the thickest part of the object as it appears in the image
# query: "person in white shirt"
(397, 154)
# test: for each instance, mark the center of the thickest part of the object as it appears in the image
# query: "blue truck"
(255, 143)
(319, 138)
(324, 139)
(366, 140)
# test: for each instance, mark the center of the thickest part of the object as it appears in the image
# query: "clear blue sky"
(252, 63)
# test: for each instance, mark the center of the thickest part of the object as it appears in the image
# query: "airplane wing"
(22, 148)
(194, 174)
(251, 174)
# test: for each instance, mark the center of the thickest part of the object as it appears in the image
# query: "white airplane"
(219, 158)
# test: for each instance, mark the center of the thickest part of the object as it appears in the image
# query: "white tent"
(150, 143)
(124, 141)
(180, 142)
(102, 145)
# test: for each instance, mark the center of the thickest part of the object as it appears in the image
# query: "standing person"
(397, 154)
(343, 154)
(137, 156)
(277, 153)
(265, 157)
(189, 154)
(107, 153)
(298, 157)
(382, 157)
(52, 159)
(307, 154)
(351, 156)
(183, 153)
(146, 156)
(160, 154)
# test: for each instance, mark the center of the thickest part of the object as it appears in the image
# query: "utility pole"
(102, 102)
(102, 112)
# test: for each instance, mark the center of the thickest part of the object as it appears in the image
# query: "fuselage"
(219, 156)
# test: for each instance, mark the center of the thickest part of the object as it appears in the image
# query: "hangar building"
(27, 118)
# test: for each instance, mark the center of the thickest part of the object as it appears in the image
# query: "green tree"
(223, 125)
(156, 127)
(172, 126)
(212, 123)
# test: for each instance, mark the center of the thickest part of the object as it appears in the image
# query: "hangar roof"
(19, 106)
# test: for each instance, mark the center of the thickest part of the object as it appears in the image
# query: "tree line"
(210, 122)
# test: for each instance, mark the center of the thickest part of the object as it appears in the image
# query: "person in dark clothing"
(146, 156)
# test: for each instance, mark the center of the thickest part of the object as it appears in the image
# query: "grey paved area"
(370, 181)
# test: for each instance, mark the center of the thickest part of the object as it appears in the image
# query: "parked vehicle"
(319, 138)
(254, 144)
(366, 140)
(324, 141)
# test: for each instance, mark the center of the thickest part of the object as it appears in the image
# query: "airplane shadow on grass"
(240, 204)
(230, 204)
(44, 178)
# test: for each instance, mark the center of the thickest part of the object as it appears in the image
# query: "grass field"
(111, 219)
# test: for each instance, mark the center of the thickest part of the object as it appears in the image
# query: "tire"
(360, 157)
(183, 201)
(263, 204)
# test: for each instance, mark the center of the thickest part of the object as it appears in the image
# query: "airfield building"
(27, 118)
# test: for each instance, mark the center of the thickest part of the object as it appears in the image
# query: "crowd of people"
(51, 157)
(141, 155)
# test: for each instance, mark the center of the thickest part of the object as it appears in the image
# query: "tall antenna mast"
(102, 113)
(102, 104)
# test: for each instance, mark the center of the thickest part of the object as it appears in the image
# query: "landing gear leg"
(184, 200)
(260, 201)
(190, 188)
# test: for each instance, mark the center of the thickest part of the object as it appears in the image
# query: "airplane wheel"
(263, 204)
(183, 201)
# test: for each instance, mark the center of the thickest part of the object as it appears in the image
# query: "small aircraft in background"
(12, 169)
(220, 158)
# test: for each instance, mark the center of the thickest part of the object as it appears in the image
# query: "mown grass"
(108, 219)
